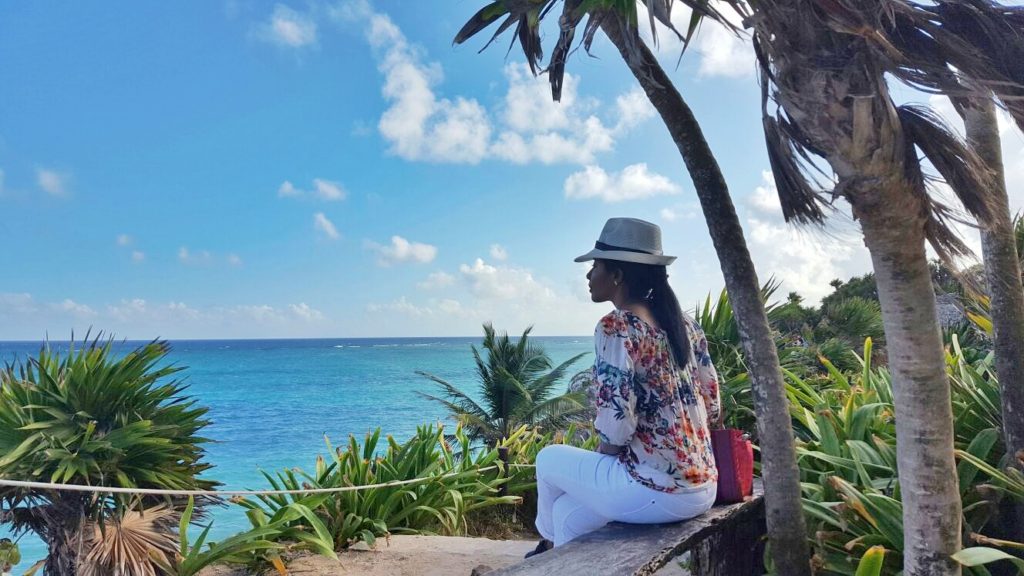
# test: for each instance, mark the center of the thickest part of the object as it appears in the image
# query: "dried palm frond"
(922, 43)
(800, 201)
(135, 544)
(965, 172)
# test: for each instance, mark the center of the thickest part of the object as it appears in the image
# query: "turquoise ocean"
(273, 401)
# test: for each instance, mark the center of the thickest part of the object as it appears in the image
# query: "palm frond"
(454, 396)
(514, 378)
(528, 14)
(136, 544)
(542, 386)
(554, 411)
(965, 172)
(799, 199)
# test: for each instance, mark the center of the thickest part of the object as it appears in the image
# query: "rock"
(480, 570)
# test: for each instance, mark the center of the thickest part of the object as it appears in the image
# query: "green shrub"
(90, 417)
(847, 458)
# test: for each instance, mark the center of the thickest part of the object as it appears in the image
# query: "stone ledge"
(640, 550)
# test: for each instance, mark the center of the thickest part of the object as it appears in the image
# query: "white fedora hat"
(629, 240)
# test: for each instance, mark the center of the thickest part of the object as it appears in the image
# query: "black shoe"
(542, 546)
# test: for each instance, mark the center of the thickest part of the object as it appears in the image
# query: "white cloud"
(288, 28)
(541, 130)
(634, 108)
(635, 182)
(258, 312)
(498, 252)
(127, 310)
(804, 259)
(680, 211)
(137, 318)
(720, 52)
(180, 309)
(16, 302)
(200, 258)
(443, 310)
(422, 125)
(588, 138)
(325, 226)
(77, 310)
(124, 240)
(329, 190)
(437, 280)
(453, 308)
(234, 260)
(53, 183)
(504, 282)
(765, 198)
(287, 189)
(402, 250)
(528, 105)
(402, 306)
(138, 256)
(418, 124)
(305, 312)
(723, 53)
(324, 189)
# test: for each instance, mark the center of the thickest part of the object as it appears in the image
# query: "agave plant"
(451, 488)
(259, 545)
(449, 483)
(517, 387)
(90, 416)
(848, 462)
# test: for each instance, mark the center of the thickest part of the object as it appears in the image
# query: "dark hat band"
(608, 247)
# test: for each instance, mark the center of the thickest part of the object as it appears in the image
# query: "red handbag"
(734, 456)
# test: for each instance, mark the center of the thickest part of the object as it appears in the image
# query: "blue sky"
(321, 169)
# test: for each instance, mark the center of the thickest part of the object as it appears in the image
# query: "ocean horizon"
(273, 402)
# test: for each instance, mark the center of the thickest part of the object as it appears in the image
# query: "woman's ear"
(617, 277)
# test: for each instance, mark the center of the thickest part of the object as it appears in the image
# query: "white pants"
(579, 491)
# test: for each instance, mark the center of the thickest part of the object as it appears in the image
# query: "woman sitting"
(656, 393)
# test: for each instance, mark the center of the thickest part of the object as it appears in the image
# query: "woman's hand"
(610, 449)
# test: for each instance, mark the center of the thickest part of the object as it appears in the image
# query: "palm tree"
(516, 383)
(618, 20)
(1002, 268)
(90, 418)
(824, 65)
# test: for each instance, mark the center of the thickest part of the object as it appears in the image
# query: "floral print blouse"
(647, 404)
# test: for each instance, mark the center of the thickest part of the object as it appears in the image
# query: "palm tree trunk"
(1003, 271)
(63, 534)
(1002, 268)
(894, 232)
(786, 528)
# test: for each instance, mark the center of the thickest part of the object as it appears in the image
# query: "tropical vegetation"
(618, 20)
(516, 388)
(92, 416)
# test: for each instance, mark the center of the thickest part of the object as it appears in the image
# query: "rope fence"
(164, 492)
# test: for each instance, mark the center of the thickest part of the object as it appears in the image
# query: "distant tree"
(856, 287)
(516, 386)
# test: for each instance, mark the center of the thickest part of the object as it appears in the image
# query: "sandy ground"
(409, 556)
